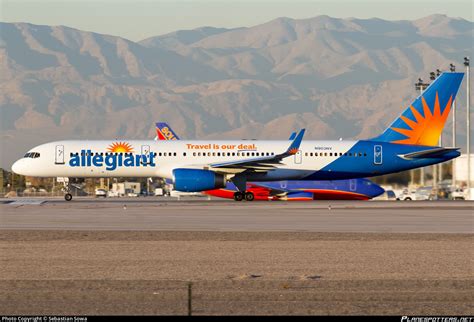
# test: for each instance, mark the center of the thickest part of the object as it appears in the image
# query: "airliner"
(289, 190)
(409, 142)
(303, 190)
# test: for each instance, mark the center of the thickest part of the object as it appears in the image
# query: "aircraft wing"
(260, 164)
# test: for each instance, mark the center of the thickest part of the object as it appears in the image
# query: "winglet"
(295, 145)
(292, 136)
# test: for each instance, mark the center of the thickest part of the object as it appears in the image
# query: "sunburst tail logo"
(424, 129)
(120, 147)
(423, 121)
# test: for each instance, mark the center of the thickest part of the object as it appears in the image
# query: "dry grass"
(54, 272)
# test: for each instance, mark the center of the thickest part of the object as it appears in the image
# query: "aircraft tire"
(249, 196)
(238, 196)
(68, 197)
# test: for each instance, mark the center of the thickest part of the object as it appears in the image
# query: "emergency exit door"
(353, 184)
(298, 157)
(59, 156)
(378, 157)
(146, 152)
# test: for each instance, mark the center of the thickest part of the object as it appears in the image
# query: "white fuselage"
(150, 158)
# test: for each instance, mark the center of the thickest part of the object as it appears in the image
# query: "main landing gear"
(247, 195)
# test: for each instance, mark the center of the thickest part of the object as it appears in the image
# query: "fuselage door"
(353, 185)
(298, 157)
(59, 157)
(146, 151)
(377, 154)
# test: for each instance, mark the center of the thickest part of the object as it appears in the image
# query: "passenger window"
(174, 154)
(194, 154)
(184, 154)
(233, 154)
(218, 154)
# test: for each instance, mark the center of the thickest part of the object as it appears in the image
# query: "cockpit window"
(32, 155)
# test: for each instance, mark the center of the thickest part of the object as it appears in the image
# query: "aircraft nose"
(18, 167)
(378, 190)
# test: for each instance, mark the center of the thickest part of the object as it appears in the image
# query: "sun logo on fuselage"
(120, 147)
(424, 129)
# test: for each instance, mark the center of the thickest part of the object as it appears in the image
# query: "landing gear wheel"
(249, 196)
(238, 196)
(68, 197)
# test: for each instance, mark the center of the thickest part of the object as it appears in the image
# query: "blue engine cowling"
(195, 180)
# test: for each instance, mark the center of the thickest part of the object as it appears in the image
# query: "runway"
(166, 214)
(137, 255)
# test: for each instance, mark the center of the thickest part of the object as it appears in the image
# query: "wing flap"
(262, 163)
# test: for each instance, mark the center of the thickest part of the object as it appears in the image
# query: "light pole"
(420, 86)
(435, 167)
(468, 121)
(440, 143)
(452, 68)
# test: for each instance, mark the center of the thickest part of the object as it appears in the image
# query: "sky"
(140, 19)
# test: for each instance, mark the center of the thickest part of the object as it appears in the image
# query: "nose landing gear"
(68, 195)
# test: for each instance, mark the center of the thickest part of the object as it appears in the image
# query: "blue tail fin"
(423, 121)
(165, 132)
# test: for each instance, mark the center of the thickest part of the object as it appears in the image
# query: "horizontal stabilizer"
(431, 153)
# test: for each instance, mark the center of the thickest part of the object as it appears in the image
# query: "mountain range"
(338, 78)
